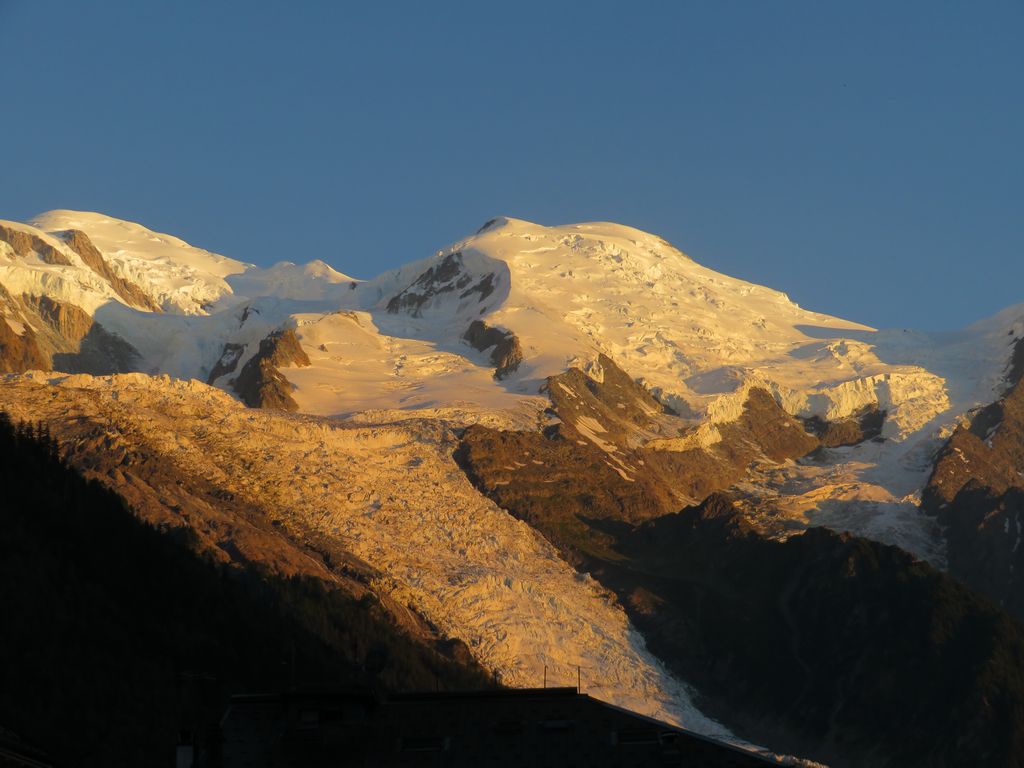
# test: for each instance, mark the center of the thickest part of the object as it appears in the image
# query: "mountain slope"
(115, 618)
(402, 345)
(591, 376)
(386, 501)
(976, 491)
(845, 650)
(170, 273)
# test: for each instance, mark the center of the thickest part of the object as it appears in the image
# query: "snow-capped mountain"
(175, 276)
(400, 344)
(577, 378)
(696, 338)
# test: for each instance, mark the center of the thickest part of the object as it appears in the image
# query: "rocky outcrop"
(586, 463)
(40, 333)
(989, 451)
(866, 425)
(506, 352)
(99, 353)
(20, 352)
(227, 362)
(976, 490)
(69, 322)
(1015, 367)
(20, 349)
(601, 458)
(260, 384)
(447, 276)
(27, 243)
(625, 413)
(553, 483)
(984, 533)
(79, 344)
(80, 243)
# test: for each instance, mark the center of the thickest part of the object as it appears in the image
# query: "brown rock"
(561, 479)
(69, 322)
(78, 344)
(80, 243)
(976, 490)
(227, 362)
(19, 353)
(26, 243)
(261, 384)
(506, 352)
(989, 451)
(447, 276)
(862, 426)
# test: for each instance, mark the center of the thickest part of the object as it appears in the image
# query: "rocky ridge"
(80, 243)
(260, 383)
(614, 452)
(41, 333)
(505, 351)
(382, 503)
(976, 491)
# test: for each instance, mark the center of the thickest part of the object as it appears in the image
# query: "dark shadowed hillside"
(115, 634)
(976, 491)
(835, 647)
(827, 645)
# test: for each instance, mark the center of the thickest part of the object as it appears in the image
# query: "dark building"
(555, 727)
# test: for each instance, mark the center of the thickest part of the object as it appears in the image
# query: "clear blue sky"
(865, 157)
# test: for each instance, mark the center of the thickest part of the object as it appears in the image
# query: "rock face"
(25, 244)
(865, 425)
(20, 351)
(984, 533)
(227, 362)
(506, 352)
(40, 333)
(446, 277)
(836, 671)
(80, 344)
(815, 643)
(261, 384)
(976, 490)
(66, 320)
(616, 453)
(1015, 368)
(80, 243)
(99, 353)
(607, 401)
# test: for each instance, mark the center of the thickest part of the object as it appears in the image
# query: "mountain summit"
(496, 442)
(475, 332)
